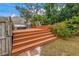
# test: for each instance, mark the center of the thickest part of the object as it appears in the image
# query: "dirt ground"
(60, 47)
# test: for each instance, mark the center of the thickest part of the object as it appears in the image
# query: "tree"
(25, 13)
(60, 12)
(30, 10)
(52, 12)
(49, 9)
(69, 11)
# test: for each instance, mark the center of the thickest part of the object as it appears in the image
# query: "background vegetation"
(65, 16)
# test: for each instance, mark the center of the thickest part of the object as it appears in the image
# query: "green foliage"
(42, 19)
(49, 9)
(67, 28)
(65, 32)
(69, 11)
(66, 12)
(51, 13)
(73, 23)
(46, 21)
(38, 18)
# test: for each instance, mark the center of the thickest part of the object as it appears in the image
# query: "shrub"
(67, 28)
(63, 30)
(74, 21)
(46, 21)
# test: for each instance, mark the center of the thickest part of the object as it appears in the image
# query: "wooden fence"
(5, 36)
(7, 41)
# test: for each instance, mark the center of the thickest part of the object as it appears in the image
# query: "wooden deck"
(27, 39)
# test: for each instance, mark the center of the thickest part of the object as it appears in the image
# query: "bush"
(73, 22)
(46, 21)
(64, 29)
(67, 28)
(65, 32)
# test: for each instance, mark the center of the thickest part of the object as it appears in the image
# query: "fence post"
(9, 35)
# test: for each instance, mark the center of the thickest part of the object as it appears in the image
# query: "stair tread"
(38, 38)
(28, 46)
(30, 36)
(27, 30)
(27, 39)
(31, 33)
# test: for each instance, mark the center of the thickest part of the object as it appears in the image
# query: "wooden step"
(27, 34)
(27, 42)
(29, 37)
(33, 45)
(24, 40)
(26, 31)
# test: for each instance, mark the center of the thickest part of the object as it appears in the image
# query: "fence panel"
(5, 37)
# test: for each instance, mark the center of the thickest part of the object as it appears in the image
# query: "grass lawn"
(61, 47)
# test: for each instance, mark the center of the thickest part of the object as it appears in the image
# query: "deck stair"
(24, 40)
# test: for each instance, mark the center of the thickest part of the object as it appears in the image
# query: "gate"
(5, 36)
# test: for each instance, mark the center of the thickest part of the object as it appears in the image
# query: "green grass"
(60, 47)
